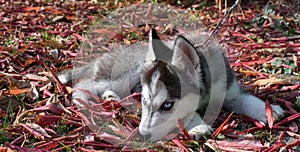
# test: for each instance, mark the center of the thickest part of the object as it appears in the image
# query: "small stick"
(221, 23)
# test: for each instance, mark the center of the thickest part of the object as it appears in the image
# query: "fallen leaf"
(182, 127)
(111, 138)
(17, 91)
(235, 145)
(35, 77)
(220, 128)
(288, 119)
(269, 114)
(5, 149)
(271, 81)
(36, 130)
(248, 73)
(179, 144)
(47, 120)
(30, 9)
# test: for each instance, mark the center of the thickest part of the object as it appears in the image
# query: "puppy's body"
(118, 71)
(178, 80)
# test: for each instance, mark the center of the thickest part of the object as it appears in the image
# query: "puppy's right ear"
(158, 51)
(185, 56)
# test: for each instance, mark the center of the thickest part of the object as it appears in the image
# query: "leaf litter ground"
(38, 40)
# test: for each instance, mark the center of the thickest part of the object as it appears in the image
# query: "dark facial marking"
(168, 77)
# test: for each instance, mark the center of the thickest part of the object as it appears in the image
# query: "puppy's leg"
(92, 86)
(252, 106)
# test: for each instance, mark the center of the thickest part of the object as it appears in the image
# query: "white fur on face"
(163, 122)
(153, 97)
(154, 81)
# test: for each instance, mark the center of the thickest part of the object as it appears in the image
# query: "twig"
(221, 23)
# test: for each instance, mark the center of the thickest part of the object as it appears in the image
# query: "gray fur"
(113, 71)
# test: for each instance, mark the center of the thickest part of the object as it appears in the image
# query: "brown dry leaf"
(5, 149)
(29, 62)
(70, 18)
(17, 91)
(16, 86)
(248, 73)
(31, 9)
(272, 81)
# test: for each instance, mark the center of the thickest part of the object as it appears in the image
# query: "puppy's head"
(170, 86)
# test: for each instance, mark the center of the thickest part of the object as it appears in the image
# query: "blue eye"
(166, 106)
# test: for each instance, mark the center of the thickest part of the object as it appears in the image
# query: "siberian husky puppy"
(178, 80)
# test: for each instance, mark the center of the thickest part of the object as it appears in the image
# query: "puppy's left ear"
(185, 56)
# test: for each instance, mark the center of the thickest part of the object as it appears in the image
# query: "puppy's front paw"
(199, 131)
(260, 113)
(63, 79)
(277, 112)
(109, 96)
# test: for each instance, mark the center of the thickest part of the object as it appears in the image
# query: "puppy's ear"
(185, 56)
(157, 49)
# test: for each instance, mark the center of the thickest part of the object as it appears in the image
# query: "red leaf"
(250, 130)
(294, 144)
(292, 134)
(252, 62)
(179, 144)
(269, 114)
(78, 36)
(55, 109)
(288, 119)
(92, 95)
(184, 130)
(47, 93)
(46, 120)
(48, 145)
(220, 128)
(257, 123)
(275, 147)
